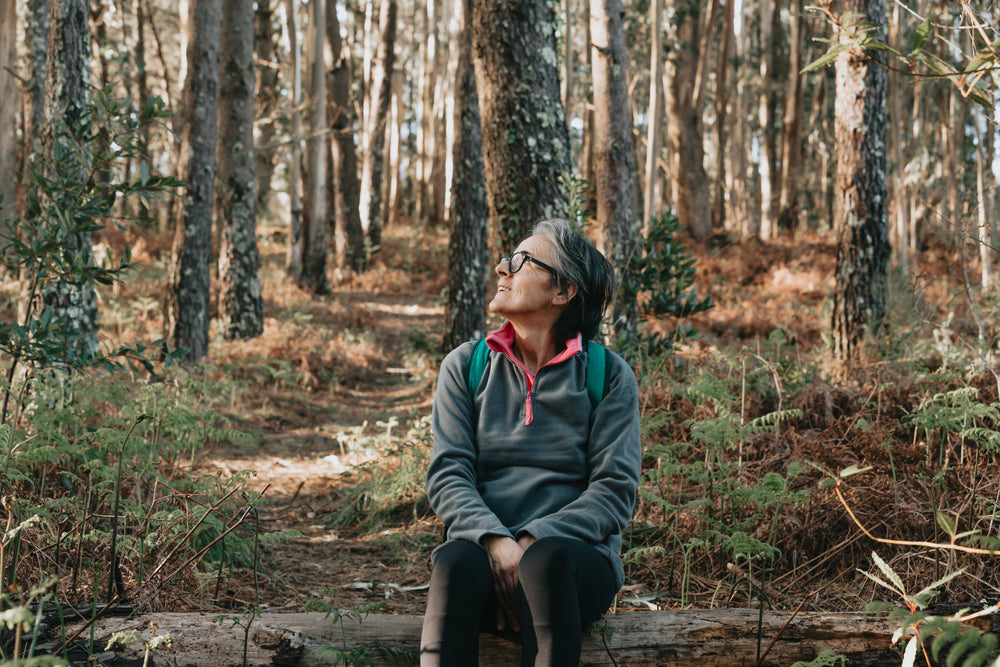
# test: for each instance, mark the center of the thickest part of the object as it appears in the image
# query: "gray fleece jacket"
(530, 455)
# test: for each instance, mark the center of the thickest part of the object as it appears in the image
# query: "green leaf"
(947, 523)
(889, 573)
(921, 36)
(825, 59)
(853, 470)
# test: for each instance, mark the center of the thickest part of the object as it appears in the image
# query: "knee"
(462, 562)
(547, 559)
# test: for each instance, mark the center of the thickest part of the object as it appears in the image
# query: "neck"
(535, 347)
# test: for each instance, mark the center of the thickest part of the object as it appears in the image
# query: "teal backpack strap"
(596, 372)
(477, 365)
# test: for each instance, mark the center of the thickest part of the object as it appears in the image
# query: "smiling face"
(528, 295)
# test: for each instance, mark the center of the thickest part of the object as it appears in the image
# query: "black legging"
(563, 584)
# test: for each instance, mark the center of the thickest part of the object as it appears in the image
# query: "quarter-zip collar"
(502, 340)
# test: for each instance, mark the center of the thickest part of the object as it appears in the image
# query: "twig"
(86, 625)
(907, 543)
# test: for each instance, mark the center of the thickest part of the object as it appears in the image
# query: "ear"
(564, 295)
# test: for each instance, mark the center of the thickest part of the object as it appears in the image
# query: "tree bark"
(765, 114)
(66, 100)
(241, 306)
(615, 159)
(188, 312)
(791, 143)
(688, 637)
(348, 234)
(525, 139)
(428, 197)
(722, 130)
(9, 99)
(293, 260)
(654, 117)
(317, 209)
(465, 313)
(373, 164)
(266, 38)
(860, 204)
(691, 194)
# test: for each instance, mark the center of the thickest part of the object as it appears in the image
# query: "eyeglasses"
(517, 260)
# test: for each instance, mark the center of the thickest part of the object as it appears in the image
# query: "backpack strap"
(597, 374)
(477, 365)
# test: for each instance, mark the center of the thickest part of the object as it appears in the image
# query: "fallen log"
(709, 637)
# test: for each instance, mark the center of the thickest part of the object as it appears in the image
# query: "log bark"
(690, 637)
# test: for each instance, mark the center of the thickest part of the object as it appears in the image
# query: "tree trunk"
(424, 156)
(765, 114)
(348, 233)
(569, 55)
(587, 166)
(188, 311)
(722, 130)
(266, 38)
(614, 157)
(465, 313)
(791, 144)
(66, 101)
(37, 38)
(9, 99)
(654, 117)
(314, 225)
(394, 193)
(525, 139)
(241, 306)
(142, 84)
(688, 637)
(373, 165)
(692, 198)
(860, 209)
(293, 260)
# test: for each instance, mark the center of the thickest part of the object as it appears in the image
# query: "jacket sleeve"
(614, 457)
(451, 475)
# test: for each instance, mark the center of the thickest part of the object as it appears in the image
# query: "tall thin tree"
(266, 44)
(8, 114)
(860, 213)
(654, 114)
(293, 260)
(345, 190)
(465, 313)
(317, 206)
(684, 131)
(373, 163)
(616, 172)
(66, 103)
(188, 313)
(241, 306)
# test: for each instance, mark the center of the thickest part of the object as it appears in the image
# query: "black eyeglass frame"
(515, 265)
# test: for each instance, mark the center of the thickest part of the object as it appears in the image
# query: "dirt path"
(309, 440)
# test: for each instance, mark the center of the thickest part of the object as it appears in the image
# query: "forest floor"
(333, 377)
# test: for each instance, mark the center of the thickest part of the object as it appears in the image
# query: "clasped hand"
(505, 556)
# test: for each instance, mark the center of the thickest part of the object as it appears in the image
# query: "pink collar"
(502, 340)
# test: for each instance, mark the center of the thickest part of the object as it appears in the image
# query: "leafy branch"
(857, 34)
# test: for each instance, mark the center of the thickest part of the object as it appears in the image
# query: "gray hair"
(578, 263)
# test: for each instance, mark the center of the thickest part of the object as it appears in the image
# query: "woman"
(534, 483)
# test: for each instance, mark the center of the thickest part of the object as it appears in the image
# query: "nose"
(503, 267)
